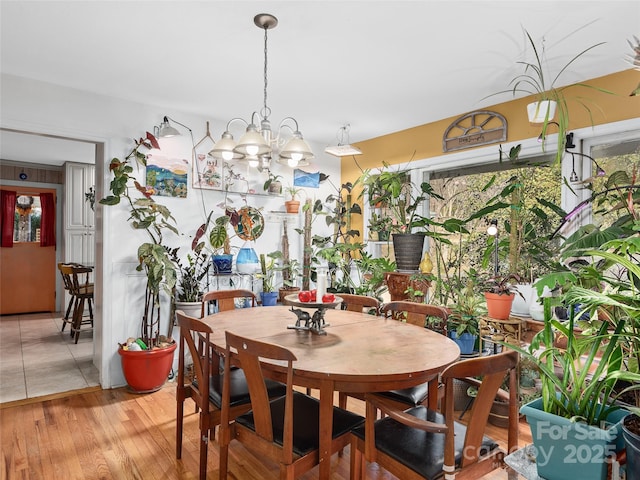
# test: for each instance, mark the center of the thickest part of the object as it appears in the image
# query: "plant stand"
(399, 282)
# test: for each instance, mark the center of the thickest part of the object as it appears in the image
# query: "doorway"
(28, 274)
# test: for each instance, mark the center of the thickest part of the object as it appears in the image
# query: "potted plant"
(592, 359)
(550, 101)
(147, 359)
(192, 276)
(220, 241)
(418, 287)
(464, 320)
(631, 435)
(401, 201)
(272, 185)
(499, 292)
(576, 402)
(268, 296)
(371, 272)
(293, 204)
(381, 225)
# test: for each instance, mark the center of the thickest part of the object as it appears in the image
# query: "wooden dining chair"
(422, 315)
(68, 287)
(205, 388)
(433, 317)
(360, 303)
(285, 429)
(81, 290)
(226, 299)
(419, 443)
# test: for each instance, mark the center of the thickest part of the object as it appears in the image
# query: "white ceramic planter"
(539, 111)
(520, 306)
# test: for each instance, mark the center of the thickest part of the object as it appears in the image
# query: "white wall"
(45, 108)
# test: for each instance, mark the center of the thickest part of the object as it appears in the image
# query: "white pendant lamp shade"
(223, 150)
(296, 150)
(252, 143)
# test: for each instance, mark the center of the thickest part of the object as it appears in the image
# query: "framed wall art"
(167, 177)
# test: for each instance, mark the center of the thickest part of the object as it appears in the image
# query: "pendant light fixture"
(258, 145)
(343, 149)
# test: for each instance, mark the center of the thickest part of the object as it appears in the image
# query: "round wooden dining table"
(359, 353)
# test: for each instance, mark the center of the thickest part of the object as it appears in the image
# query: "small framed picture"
(206, 172)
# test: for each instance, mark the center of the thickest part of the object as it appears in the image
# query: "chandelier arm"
(283, 124)
(235, 119)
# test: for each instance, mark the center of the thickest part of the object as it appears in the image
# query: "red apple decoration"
(328, 298)
(304, 296)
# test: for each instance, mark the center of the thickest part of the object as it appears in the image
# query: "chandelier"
(258, 145)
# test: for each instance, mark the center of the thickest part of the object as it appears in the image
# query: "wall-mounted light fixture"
(568, 145)
(165, 130)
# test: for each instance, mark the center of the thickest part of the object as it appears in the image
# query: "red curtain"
(48, 220)
(7, 216)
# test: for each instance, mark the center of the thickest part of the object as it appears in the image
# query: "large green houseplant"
(156, 261)
(549, 104)
(392, 190)
(593, 361)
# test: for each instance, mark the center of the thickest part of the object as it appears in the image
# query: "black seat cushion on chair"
(411, 396)
(239, 389)
(306, 428)
(421, 451)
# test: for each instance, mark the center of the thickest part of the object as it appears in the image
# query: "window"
(613, 158)
(27, 220)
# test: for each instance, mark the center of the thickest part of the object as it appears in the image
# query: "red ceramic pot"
(147, 371)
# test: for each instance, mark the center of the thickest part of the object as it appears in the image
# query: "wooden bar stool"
(81, 291)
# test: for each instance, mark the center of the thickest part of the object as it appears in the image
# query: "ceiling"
(380, 66)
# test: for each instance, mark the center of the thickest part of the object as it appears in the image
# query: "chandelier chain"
(265, 109)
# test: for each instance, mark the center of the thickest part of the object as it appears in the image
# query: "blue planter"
(269, 299)
(632, 443)
(222, 263)
(466, 342)
(566, 449)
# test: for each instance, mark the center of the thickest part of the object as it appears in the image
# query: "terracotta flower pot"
(292, 206)
(499, 306)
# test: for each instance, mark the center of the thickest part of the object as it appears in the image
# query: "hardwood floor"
(115, 434)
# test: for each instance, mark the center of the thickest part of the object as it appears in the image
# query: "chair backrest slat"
(190, 329)
(492, 369)
(249, 352)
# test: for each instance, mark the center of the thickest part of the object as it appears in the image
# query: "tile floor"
(37, 359)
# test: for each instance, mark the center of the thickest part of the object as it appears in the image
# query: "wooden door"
(28, 274)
